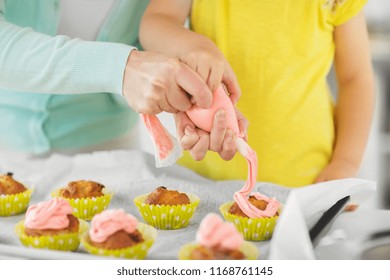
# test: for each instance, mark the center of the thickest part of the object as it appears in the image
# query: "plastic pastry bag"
(167, 149)
(204, 118)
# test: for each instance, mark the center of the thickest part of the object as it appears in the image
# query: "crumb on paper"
(351, 207)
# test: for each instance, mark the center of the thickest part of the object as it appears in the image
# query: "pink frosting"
(204, 119)
(214, 232)
(241, 197)
(108, 222)
(50, 214)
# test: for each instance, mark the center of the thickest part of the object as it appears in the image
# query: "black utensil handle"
(318, 230)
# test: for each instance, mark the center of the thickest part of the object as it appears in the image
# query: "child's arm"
(162, 29)
(355, 104)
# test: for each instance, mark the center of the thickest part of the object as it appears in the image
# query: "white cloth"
(305, 206)
(127, 174)
(131, 173)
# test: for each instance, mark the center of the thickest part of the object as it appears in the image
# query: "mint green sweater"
(57, 92)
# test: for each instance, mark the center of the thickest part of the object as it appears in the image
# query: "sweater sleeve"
(340, 11)
(35, 62)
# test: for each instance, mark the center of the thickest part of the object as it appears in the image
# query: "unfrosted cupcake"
(118, 234)
(218, 240)
(254, 217)
(14, 196)
(167, 209)
(86, 197)
(51, 225)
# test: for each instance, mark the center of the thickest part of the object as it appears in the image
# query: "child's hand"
(220, 139)
(208, 61)
(337, 170)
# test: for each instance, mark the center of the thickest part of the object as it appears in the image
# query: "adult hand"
(207, 60)
(221, 139)
(154, 83)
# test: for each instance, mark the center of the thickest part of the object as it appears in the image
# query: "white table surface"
(131, 173)
(127, 174)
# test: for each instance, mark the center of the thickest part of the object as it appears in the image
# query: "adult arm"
(34, 62)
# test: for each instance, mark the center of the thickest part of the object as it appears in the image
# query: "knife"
(322, 226)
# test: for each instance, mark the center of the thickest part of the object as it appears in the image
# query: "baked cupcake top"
(82, 189)
(8, 185)
(114, 229)
(52, 214)
(163, 196)
(265, 206)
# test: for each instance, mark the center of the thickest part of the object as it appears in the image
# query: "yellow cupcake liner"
(86, 208)
(61, 242)
(248, 249)
(253, 229)
(137, 252)
(167, 216)
(14, 204)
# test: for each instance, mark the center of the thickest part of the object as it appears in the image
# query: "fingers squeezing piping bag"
(204, 119)
(167, 148)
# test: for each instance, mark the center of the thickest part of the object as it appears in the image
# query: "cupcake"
(86, 197)
(254, 217)
(14, 196)
(218, 240)
(51, 225)
(167, 209)
(118, 234)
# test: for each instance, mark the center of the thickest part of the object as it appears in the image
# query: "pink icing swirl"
(214, 232)
(241, 196)
(108, 222)
(50, 214)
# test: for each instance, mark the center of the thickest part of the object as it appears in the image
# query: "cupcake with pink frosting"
(254, 217)
(218, 240)
(51, 225)
(118, 234)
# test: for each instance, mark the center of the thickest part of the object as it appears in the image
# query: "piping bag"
(168, 149)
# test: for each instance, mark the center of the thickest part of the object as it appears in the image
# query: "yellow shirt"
(281, 52)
